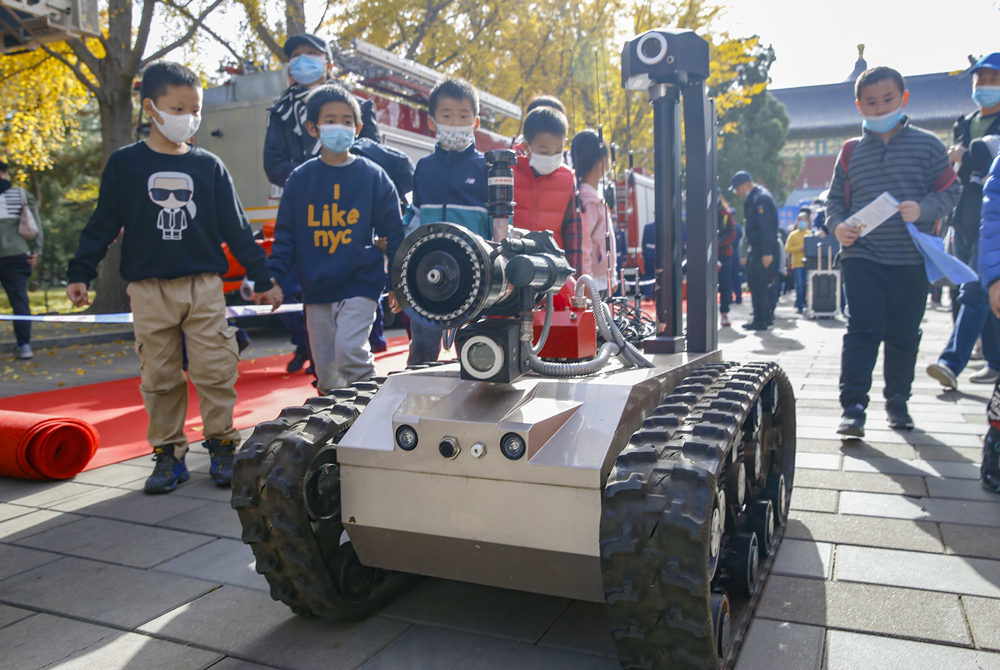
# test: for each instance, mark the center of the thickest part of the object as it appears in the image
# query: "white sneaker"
(725, 320)
(985, 376)
(24, 352)
(944, 375)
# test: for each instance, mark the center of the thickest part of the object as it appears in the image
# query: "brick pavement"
(889, 560)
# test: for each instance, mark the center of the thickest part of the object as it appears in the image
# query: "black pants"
(887, 303)
(14, 273)
(759, 279)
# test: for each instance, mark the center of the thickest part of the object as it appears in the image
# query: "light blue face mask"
(336, 138)
(883, 123)
(986, 96)
(306, 69)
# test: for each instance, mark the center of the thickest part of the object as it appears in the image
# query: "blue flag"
(937, 262)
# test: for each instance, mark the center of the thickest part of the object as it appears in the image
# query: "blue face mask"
(336, 138)
(803, 225)
(986, 96)
(883, 123)
(306, 69)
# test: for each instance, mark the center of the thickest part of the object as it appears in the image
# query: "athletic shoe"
(24, 352)
(943, 374)
(852, 422)
(899, 417)
(242, 340)
(989, 471)
(168, 471)
(985, 376)
(221, 452)
(753, 325)
(725, 321)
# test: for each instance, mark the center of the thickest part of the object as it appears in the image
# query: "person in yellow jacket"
(795, 247)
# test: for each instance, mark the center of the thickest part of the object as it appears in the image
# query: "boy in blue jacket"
(449, 185)
(989, 272)
(333, 207)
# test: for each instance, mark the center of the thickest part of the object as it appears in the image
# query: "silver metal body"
(530, 524)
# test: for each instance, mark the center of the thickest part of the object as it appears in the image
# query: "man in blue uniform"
(760, 227)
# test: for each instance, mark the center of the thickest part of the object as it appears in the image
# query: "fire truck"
(28, 24)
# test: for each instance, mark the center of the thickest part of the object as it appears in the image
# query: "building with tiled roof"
(823, 117)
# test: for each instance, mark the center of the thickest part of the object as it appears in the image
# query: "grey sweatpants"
(338, 336)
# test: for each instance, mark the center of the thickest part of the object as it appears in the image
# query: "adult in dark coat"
(760, 226)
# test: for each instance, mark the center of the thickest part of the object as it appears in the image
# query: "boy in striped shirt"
(884, 276)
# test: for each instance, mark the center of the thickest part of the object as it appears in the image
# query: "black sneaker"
(221, 452)
(899, 417)
(753, 325)
(168, 471)
(989, 471)
(852, 422)
(298, 360)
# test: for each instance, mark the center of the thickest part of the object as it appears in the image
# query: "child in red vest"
(545, 188)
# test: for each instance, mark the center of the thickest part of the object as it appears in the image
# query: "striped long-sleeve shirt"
(912, 165)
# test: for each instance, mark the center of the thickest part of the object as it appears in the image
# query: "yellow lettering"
(337, 216)
(353, 216)
(319, 238)
(326, 215)
(338, 237)
(336, 191)
(312, 222)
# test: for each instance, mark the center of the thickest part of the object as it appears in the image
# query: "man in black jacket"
(761, 230)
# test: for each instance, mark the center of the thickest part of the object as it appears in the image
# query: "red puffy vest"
(541, 201)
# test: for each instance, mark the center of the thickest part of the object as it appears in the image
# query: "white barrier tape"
(126, 317)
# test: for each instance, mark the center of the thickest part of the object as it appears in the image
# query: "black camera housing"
(664, 56)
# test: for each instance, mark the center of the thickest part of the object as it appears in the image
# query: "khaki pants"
(162, 309)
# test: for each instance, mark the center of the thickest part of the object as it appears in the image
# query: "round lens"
(481, 356)
(406, 438)
(512, 445)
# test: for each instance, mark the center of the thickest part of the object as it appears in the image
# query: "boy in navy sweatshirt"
(332, 208)
(449, 185)
(177, 206)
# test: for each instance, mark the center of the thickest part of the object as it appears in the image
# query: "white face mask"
(455, 138)
(545, 164)
(177, 128)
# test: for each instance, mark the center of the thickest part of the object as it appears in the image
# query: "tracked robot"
(651, 476)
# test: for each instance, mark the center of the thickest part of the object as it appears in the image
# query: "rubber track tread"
(656, 518)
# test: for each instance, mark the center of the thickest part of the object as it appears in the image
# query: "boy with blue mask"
(883, 272)
(333, 208)
(449, 185)
(972, 157)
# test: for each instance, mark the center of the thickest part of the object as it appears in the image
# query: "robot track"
(692, 515)
(286, 485)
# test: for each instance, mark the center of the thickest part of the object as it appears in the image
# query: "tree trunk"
(116, 132)
(295, 17)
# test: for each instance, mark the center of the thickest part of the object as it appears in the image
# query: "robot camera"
(664, 56)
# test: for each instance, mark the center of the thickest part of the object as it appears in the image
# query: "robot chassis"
(657, 484)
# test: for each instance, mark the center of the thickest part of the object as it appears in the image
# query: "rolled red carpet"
(37, 446)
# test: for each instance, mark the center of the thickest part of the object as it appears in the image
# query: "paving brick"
(100, 592)
(964, 489)
(970, 541)
(855, 448)
(780, 644)
(14, 560)
(212, 518)
(919, 438)
(32, 523)
(8, 511)
(983, 615)
(134, 506)
(62, 637)
(475, 608)
(864, 530)
(805, 459)
(230, 663)
(9, 615)
(582, 626)
(119, 542)
(930, 509)
(861, 481)
(203, 487)
(891, 466)
(40, 494)
(816, 500)
(865, 608)
(937, 572)
(116, 474)
(426, 647)
(851, 651)
(222, 561)
(800, 558)
(258, 629)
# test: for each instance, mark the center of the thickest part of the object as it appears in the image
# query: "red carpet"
(36, 446)
(115, 408)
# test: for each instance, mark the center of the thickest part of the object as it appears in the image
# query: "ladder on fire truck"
(28, 24)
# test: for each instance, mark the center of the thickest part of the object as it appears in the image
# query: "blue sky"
(816, 41)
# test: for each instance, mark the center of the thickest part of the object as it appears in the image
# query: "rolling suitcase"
(823, 288)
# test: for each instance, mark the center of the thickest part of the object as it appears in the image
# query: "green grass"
(56, 302)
